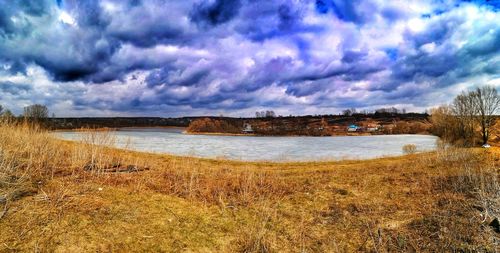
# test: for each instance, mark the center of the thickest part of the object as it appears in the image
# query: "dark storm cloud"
(149, 36)
(448, 63)
(14, 88)
(356, 11)
(262, 20)
(495, 4)
(133, 55)
(174, 77)
(90, 14)
(66, 52)
(353, 56)
(6, 24)
(393, 14)
(149, 24)
(35, 7)
(212, 14)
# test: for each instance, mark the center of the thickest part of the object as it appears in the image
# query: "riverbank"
(263, 148)
(326, 125)
(217, 134)
(68, 201)
(184, 131)
(101, 129)
(289, 135)
(109, 129)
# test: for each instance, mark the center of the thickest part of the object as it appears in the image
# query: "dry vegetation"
(74, 197)
(470, 119)
(208, 125)
(312, 125)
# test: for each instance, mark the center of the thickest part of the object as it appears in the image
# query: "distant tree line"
(468, 118)
(347, 112)
(380, 111)
(265, 114)
(36, 113)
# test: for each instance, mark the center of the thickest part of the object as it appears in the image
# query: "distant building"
(352, 128)
(247, 128)
(373, 128)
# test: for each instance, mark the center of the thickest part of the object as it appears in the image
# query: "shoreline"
(278, 160)
(221, 134)
(295, 135)
(104, 129)
(326, 161)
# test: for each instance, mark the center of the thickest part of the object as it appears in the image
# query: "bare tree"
(465, 109)
(487, 102)
(7, 116)
(347, 112)
(270, 114)
(36, 113)
(444, 123)
(389, 110)
(261, 114)
(468, 112)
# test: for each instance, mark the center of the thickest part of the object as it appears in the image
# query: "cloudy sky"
(233, 57)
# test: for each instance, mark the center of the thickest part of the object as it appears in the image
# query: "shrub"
(409, 149)
(207, 125)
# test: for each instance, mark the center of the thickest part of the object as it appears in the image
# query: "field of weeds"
(83, 197)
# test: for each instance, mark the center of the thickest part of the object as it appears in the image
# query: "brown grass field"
(58, 196)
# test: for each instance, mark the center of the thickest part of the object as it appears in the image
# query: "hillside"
(61, 196)
(325, 125)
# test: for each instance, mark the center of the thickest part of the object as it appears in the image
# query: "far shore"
(292, 135)
(104, 129)
(221, 134)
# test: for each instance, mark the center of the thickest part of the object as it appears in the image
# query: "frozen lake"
(257, 148)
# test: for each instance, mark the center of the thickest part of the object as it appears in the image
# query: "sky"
(174, 58)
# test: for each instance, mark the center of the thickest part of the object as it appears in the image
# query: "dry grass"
(62, 197)
(28, 158)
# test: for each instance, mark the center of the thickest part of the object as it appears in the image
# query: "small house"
(352, 128)
(373, 128)
(247, 128)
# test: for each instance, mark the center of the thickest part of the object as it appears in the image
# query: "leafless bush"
(409, 149)
(90, 152)
(207, 125)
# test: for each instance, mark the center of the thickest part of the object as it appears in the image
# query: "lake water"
(257, 148)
